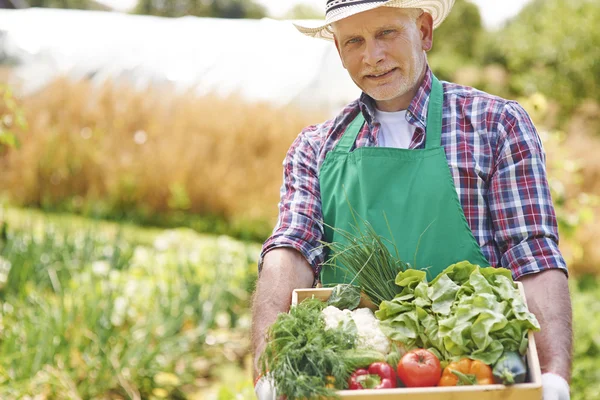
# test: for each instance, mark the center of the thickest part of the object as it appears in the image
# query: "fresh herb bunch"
(303, 358)
(366, 256)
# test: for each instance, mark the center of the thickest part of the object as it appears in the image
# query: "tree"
(456, 41)
(201, 8)
(551, 47)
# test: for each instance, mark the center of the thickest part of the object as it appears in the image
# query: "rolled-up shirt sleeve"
(523, 216)
(299, 224)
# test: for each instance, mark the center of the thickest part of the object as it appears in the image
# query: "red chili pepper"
(380, 375)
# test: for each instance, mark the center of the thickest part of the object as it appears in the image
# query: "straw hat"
(336, 10)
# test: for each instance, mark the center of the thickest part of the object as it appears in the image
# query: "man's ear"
(425, 24)
(337, 46)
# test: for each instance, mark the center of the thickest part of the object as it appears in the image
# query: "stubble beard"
(404, 85)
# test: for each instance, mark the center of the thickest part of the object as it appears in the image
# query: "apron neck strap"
(434, 121)
(351, 133)
(434, 115)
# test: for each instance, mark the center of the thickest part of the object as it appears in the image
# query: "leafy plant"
(367, 258)
(12, 119)
(466, 311)
(305, 360)
(559, 61)
(84, 314)
(344, 297)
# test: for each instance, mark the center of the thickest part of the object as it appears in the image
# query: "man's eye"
(353, 41)
(387, 32)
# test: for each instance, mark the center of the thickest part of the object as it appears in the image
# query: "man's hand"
(555, 387)
(283, 270)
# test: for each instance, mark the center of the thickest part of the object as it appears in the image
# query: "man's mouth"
(381, 75)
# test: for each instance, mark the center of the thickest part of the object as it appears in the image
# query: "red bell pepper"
(358, 376)
(379, 375)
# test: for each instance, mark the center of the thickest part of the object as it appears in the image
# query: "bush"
(551, 47)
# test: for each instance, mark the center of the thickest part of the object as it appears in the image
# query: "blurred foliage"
(551, 47)
(86, 314)
(201, 8)
(585, 294)
(102, 152)
(73, 4)
(171, 8)
(12, 119)
(303, 11)
(456, 41)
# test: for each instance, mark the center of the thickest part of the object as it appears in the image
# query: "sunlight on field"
(116, 149)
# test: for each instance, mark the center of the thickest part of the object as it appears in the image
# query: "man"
(462, 167)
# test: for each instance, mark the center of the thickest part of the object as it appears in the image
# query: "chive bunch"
(366, 256)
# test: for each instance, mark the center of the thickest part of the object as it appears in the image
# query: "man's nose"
(374, 53)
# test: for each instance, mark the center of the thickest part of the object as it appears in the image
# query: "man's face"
(383, 51)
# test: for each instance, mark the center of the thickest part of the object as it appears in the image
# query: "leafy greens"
(344, 296)
(466, 311)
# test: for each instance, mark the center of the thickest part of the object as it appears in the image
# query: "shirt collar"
(417, 110)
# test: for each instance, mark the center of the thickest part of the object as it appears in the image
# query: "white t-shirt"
(395, 131)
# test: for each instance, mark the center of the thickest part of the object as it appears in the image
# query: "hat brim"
(439, 10)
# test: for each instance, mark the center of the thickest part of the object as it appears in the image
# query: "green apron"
(412, 190)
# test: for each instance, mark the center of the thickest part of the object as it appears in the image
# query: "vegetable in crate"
(379, 375)
(304, 358)
(344, 297)
(510, 369)
(369, 260)
(466, 372)
(419, 368)
(363, 322)
(466, 311)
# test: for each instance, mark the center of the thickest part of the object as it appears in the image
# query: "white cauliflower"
(369, 333)
(334, 316)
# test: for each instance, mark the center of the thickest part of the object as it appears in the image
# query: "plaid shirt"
(495, 157)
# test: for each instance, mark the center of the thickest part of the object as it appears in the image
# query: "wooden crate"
(531, 390)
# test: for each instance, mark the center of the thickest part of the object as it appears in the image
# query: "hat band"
(335, 4)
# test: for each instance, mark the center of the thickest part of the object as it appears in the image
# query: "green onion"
(366, 256)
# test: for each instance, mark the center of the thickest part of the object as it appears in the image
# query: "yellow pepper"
(330, 382)
(467, 372)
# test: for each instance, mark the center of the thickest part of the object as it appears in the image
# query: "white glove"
(265, 389)
(555, 387)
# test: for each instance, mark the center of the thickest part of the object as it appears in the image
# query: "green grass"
(86, 313)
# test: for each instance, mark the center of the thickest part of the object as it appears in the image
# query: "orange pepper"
(468, 371)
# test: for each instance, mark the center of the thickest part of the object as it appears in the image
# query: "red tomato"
(419, 368)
